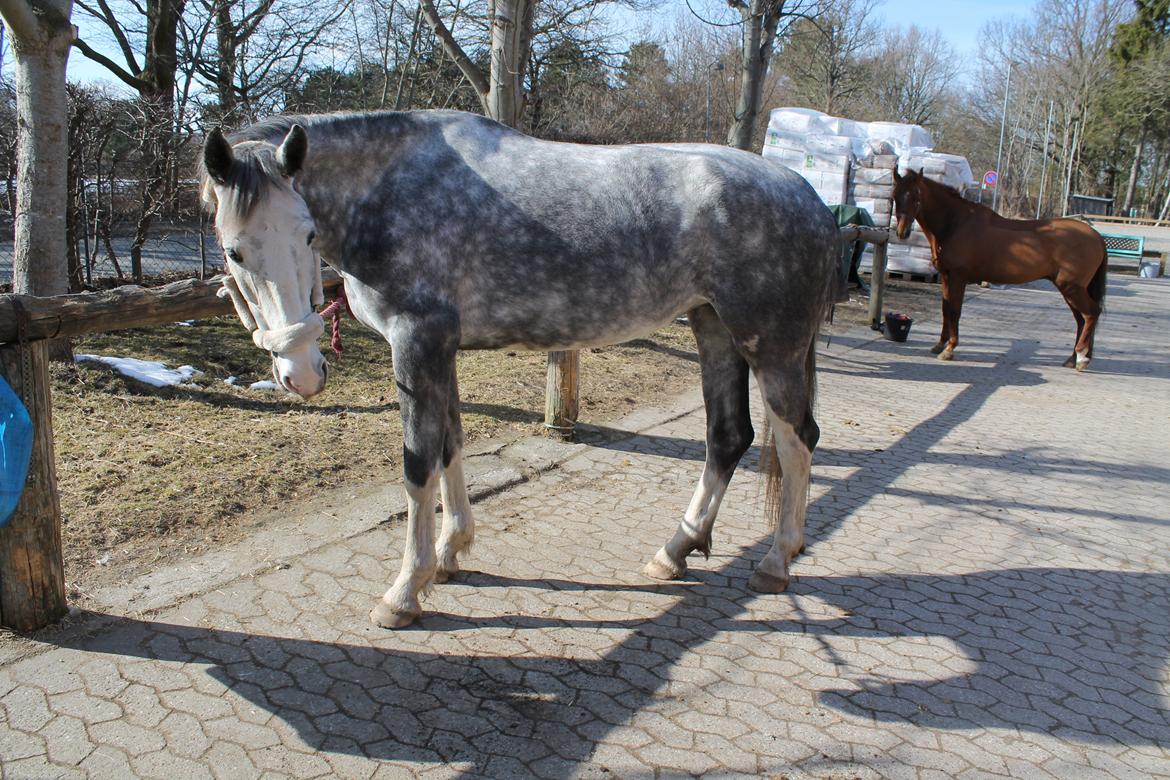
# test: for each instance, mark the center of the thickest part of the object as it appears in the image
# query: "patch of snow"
(185, 323)
(231, 380)
(264, 384)
(148, 371)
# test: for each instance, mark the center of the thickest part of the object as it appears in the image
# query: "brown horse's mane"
(938, 185)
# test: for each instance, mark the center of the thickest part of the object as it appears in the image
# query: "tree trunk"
(510, 21)
(42, 151)
(1133, 173)
(225, 73)
(760, 21)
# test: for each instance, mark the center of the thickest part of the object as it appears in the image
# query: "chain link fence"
(171, 252)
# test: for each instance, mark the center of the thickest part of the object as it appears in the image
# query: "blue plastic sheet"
(16, 440)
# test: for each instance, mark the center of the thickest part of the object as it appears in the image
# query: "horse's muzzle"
(292, 376)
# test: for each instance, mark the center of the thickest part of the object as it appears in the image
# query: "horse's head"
(907, 201)
(266, 231)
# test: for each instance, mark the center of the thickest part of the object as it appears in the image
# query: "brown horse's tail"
(770, 466)
(1098, 283)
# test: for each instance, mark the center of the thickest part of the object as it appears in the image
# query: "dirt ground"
(150, 474)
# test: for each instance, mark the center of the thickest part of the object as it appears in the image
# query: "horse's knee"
(728, 439)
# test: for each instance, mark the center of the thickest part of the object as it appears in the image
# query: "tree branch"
(135, 83)
(106, 16)
(452, 47)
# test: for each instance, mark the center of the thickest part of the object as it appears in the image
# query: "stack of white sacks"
(853, 163)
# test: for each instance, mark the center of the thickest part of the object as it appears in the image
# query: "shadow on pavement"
(1074, 652)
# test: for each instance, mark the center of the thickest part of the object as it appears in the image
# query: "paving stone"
(26, 709)
(66, 741)
(962, 610)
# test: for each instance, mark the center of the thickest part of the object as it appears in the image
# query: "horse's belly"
(558, 328)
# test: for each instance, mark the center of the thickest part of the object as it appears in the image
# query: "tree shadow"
(1075, 653)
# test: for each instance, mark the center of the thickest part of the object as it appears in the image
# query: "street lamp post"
(715, 66)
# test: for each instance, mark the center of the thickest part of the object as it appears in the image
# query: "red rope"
(334, 310)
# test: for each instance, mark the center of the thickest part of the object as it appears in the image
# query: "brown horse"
(971, 243)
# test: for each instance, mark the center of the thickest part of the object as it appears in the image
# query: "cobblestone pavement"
(986, 592)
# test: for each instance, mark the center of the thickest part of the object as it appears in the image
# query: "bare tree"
(250, 55)
(41, 36)
(824, 59)
(762, 22)
(911, 75)
(154, 81)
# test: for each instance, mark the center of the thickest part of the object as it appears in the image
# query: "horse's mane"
(938, 185)
(256, 168)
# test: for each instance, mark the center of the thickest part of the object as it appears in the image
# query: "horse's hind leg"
(458, 526)
(1072, 359)
(1078, 299)
(788, 396)
(729, 434)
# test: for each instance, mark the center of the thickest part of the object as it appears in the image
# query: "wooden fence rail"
(32, 577)
(880, 238)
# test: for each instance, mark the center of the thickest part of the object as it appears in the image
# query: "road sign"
(990, 178)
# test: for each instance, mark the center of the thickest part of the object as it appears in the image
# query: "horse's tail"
(1098, 283)
(770, 466)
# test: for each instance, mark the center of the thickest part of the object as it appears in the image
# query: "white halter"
(277, 339)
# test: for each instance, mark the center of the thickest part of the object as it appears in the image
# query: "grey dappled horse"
(454, 232)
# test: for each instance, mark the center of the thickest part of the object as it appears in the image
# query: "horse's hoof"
(444, 575)
(661, 567)
(762, 582)
(1071, 362)
(386, 617)
(937, 348)
(1082, 365)
(946, 354)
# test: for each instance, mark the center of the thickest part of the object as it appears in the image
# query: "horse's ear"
(291, 152)
(920, 170)
(897, 178)
(217, 156)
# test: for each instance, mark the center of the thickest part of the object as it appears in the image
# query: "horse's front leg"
(424, 355)
(458, 526)
(953, 304)
(946, 320)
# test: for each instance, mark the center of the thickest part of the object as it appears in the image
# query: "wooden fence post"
(32, 570)
(877, 286)
(561, 397)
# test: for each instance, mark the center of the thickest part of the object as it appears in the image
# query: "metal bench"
(1121, 246)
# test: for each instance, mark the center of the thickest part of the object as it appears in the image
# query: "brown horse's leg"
(1072, 359)
(1081, 302)
(957, 288)
(946, 314)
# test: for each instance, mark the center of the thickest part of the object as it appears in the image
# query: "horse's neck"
(940, 213)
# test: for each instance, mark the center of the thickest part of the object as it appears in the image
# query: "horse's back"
(547, 244)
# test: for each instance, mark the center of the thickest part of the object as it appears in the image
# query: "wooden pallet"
(907, 276)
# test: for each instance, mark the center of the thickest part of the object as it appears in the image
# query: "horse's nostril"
(288, 384)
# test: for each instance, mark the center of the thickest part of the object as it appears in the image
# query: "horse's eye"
(312, 235)
(234, 256)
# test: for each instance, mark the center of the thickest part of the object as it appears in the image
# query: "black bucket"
(898, 326)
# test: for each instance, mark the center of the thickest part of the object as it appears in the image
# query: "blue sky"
(959, 21)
